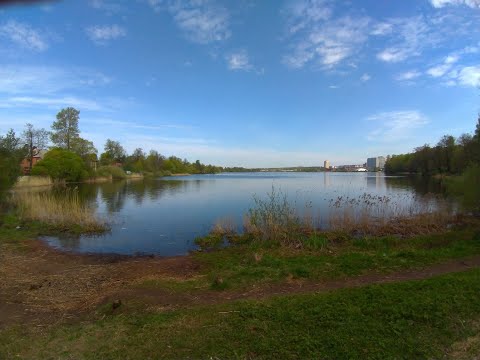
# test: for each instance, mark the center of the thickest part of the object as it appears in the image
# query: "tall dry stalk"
(63, 210)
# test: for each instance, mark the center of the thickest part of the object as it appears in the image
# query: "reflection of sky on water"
(163, 216)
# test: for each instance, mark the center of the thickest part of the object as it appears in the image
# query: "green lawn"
(411, 320)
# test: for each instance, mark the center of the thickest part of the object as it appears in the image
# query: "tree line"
(449, 156)
(73, 158)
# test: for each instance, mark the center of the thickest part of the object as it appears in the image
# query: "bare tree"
(35, 140)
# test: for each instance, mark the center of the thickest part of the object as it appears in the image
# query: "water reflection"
(163, 216)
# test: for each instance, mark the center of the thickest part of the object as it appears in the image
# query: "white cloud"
(321, 40)
(409, 37)
(365, 77)
(239, 61)
(442, 3)
(50, 102)
(441, 69)
(408, 75)
(382, 29)
(395, 126)
(23, 35)
(301, 14)
(101, 34)
(20, 79)
(467, 76)
(202, 21)
(110, 7)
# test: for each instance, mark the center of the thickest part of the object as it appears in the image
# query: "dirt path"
(41, 286)
(163, 299)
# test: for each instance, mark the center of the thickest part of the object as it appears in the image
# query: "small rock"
(116, 304)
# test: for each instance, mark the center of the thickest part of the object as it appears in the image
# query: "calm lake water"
(163, 216)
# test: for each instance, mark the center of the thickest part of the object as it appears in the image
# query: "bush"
(61, 164)
(114, 171)
(467, 187)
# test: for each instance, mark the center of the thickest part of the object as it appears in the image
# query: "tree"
(61, 164)
(446, 148)
(11, 154)
(34, 140)
(85, 149)
(154, 161)
(65, 129)
(114, 152)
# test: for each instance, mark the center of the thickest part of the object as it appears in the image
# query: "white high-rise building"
(376, 163)
(326, 164)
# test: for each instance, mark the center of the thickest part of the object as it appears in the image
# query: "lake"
(163, 216)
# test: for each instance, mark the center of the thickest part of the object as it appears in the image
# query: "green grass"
(411, 320)
(244, 265)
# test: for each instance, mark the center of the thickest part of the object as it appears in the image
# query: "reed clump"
(63, 210)
(274, 219)
(376, 215)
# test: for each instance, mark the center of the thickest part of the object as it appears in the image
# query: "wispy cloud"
(320, 39)
(365, 77)
(50, 102)
(101, 34)
(441, 69)
(407, 39)
(202, 21)
(442, 3)
(408, 75)
(465, 76)
(18, 79)
(23, 35)
(395, 126)
(136, 125)
(110, 7)
(239, 61)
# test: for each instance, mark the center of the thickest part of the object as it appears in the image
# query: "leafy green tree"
(34, 140)
(136, 161)
(85, 149)
(11, 154)
(61, 164)
(65, 128)
(114, 152)
(154, 161)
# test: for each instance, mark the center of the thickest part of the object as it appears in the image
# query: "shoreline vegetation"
(311, 287)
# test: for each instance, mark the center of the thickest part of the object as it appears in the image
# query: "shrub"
(114, 171)
(61, 164)
(467, 187)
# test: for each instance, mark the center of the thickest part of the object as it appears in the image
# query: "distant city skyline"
(246, 83)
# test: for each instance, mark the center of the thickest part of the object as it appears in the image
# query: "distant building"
(326, 164)
(37, 156)
(376, 163)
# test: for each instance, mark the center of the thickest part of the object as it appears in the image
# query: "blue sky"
(246, 83)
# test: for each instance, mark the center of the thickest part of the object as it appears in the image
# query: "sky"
(264, 83)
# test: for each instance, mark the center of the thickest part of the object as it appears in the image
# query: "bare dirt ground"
(41, 286)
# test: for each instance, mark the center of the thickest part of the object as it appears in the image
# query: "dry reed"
(63, 210)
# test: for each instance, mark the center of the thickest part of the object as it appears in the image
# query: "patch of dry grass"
(64, 210)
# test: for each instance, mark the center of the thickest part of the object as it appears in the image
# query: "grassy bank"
(436, 318)
(329, 256)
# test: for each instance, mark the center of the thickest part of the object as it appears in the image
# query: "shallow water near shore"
(163, 216)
